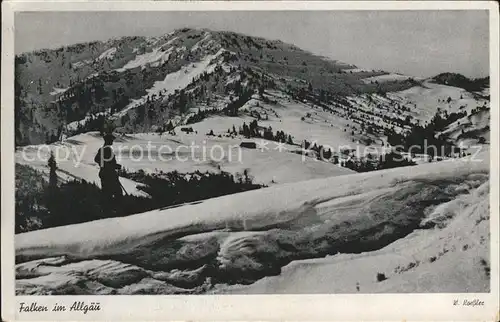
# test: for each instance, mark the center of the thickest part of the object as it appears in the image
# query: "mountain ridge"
(157, 83)
(77, 67)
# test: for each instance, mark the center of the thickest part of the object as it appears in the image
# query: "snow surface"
(359, 70)
(169, 42)
(421, 100)
(203, 40)
(156, 57)
(172, 81)
(425, 99)
(74, 161)
(74, 125)
(451, 259)
(386, 78)
(321, 127)
(80, 64)
(267, 165)
(478, 124)
(251, 233)
(276, 204)
(57, 91)
(107, 54)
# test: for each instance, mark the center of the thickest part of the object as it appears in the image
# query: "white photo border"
(338, 307)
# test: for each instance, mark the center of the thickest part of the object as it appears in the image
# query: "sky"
(417, 43)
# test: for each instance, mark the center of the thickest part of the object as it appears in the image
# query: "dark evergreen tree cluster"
(280, 136)
(426, 139)
(251, 130)
(243, 96)
(165, 128)
(479, 109)
(201, 115)
(171, 188)
(82, 97)
(92, 123)
(393, 159)
(321, 152)
(389, 160)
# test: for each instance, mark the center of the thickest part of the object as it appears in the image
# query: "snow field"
(57, 91)
(173, 81)
(452, 257)
(252, 234)
(157, 56)
(74, 161)
(386, 78)
(108, 54)
(253, 210)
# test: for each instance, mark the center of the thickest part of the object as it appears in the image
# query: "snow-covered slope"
(420, 102)
(386, 78)
(74, 161)
(174, 81)
(120, 75)
(146, 84)
(428, 98)
(301, 120)
(451, 259)
(266, 164)
(402, 222)
(469, 129)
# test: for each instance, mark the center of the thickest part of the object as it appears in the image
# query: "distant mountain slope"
(153, 84)
(457, 80)
(399, 230)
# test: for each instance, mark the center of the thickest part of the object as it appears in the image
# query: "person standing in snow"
(110, 183)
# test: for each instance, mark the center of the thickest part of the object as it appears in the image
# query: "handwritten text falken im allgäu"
(77, 306)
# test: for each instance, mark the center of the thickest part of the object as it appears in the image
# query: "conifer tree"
(52, 174)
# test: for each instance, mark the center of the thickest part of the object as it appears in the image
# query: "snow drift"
(242, 238)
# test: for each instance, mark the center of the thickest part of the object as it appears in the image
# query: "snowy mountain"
(144, 84)
(412, 229)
